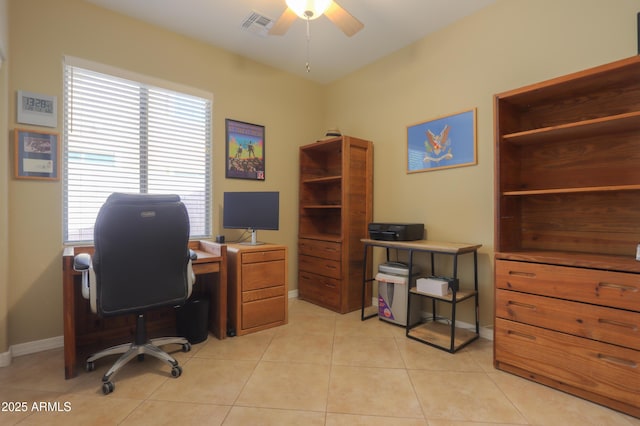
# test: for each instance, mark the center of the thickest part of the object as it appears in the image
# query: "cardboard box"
(432, 285)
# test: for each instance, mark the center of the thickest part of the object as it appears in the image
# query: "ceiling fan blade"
(283, 23)
(343, 19)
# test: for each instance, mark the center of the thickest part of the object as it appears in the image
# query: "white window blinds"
(122, 135)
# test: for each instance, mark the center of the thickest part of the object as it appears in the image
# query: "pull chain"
(307, 65)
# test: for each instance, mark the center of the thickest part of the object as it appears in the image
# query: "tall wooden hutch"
(336, 205)
(567, 227)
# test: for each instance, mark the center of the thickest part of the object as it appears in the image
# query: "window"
(122, 135)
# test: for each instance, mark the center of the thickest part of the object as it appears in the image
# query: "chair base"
(138, 349)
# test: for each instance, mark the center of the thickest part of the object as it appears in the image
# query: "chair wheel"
(140, 357)
(186, 347)
(176, 371)
(107, 388)
(90, 366)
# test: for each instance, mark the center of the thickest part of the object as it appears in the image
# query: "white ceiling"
(388, 26)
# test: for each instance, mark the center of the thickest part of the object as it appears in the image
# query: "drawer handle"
(523, 335)
(521, 305)
(631, 327)
(619, 361)
(523, 274)
(620, 287)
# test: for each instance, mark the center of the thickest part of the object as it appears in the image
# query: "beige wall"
(41, 33)
(505, 46)
(4, 177)
(511, 43)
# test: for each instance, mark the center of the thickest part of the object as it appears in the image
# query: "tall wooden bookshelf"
(566, 230)
(336, 204)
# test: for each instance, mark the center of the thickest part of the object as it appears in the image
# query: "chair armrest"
(191, 276)
(82, 262)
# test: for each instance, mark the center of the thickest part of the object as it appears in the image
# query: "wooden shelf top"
(439, 334)
(322, 179)
(572, 190)
(321, 206)
(460, 295)
(425, 245)
(548, 91)
(588, 128)
(580, 260)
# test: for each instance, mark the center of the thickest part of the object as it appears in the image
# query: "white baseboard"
(37, 346)
(30, 348)
(293, 294)
(5, 358)
(487, 332)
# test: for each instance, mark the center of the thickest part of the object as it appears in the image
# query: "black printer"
(396, 231)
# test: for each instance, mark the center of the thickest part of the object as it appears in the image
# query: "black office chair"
(141, 262)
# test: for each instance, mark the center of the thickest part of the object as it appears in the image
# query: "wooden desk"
(85, 331)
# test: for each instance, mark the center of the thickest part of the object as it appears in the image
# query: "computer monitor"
(252, 211)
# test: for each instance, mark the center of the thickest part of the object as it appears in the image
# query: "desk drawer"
(615, 326)
(262, 275)
(615, 289)
(262, 312)
(317, 265)
(263, 293)
(263, 256)
(585, 364)
(323, 249)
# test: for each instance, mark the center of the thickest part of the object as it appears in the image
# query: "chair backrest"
(141, 253)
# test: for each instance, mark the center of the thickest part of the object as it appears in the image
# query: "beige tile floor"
(320, 369)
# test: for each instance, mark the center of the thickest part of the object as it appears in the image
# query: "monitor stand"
(254, 239)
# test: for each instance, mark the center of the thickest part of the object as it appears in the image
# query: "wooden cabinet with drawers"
(336, 204)
(567, 296)
(257, 287)
(572, 328)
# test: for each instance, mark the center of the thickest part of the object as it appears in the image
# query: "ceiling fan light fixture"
(308, 9)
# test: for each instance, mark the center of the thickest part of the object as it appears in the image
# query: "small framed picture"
(39, 110)
(36, 155)
(245, 147)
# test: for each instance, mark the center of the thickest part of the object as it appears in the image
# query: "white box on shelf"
(434, 286)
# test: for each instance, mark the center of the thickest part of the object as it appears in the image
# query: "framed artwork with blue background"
(36, 155)
(442, 143)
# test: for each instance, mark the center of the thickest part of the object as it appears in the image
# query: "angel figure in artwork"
(438, 147)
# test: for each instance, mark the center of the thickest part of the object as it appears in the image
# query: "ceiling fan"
(312, 9)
